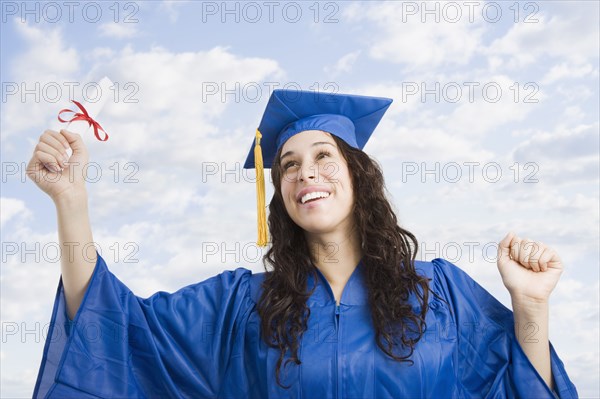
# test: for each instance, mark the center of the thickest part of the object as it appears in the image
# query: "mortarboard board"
(352, 118)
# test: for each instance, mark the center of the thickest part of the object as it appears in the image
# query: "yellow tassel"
(260, 193)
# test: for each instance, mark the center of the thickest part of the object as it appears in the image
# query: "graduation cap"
(352, 118)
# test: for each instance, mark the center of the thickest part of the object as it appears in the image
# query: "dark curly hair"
(388, 252)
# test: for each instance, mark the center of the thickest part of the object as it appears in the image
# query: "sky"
(494, 128)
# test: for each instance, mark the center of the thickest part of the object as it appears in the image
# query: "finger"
(49, 162)
(555, 261)
(504, 247)
(525, 253)
(35, 168)
(545, 257)
(75, 142)
(55, 143)
(57, 157)
(63, 141)
(515, 246)
(534, 255)
(73, 139)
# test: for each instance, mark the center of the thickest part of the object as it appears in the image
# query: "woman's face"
(316, 185)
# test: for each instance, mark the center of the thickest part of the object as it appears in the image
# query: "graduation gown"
(204, 341)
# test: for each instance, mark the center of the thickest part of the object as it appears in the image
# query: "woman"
(346, 311)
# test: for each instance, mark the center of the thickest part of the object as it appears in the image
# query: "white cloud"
(569, 71)
(405, 39)
(395, 142)
(182, 128)
(463, 108)
(574, 330)
(558, 207)
(41, 69)
(344, 64)
(11, 208)
(572, 36)
(170, 8)
(183, 132)
(495, 100)
(564, 143)
(118, 30)
(190, 73)
(575, 93)
(47, 58)
(403, 36)
(572, 114)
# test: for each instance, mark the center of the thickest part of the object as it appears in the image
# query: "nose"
(306, 172)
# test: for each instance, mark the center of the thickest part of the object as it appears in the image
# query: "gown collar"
(355, 292)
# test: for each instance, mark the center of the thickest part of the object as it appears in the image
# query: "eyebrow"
(313, 144)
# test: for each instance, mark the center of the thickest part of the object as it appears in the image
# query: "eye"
(322, 154)
(288, 165)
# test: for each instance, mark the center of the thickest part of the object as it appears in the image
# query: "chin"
(317, 227)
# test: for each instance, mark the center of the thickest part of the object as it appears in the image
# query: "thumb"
(75, 141)
(504, 247)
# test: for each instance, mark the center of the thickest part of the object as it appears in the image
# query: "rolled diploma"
(93, 109)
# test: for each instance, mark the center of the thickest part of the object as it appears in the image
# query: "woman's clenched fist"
(49, 168)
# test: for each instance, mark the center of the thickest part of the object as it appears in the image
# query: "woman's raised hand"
(48, 167)
(530, 269)
(65, 184)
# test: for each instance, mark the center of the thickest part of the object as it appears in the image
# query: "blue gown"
(203, 341)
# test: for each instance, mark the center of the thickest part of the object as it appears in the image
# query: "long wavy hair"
(388, 252)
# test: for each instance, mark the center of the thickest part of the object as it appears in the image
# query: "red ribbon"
(83, 116)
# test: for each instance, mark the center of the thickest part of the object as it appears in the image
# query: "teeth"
(316, 194)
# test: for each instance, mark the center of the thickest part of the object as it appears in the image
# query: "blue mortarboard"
(350, 117)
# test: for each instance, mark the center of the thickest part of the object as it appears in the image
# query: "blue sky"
(192, 83)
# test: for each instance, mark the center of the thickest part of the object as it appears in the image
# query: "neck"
(336, 255)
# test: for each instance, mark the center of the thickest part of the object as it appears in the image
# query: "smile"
(313, 196)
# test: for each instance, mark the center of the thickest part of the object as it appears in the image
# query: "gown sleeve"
(168, 345)
(490, 360)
